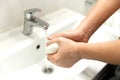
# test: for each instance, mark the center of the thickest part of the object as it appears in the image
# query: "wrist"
(83, 35)
(80, 48)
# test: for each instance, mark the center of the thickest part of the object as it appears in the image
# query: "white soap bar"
(52, 48)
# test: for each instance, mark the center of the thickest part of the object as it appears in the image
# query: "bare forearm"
(97, 16)
(106, 51)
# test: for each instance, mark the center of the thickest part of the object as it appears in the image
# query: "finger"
(55, 36)
(52, 41)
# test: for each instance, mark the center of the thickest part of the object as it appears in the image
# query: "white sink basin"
(21, 56)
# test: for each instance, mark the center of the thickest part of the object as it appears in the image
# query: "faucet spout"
(42, 23)
(30, 21)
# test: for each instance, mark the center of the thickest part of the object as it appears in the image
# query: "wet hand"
(75, 35)
(67, 55)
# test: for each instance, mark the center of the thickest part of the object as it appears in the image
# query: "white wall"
(80, 6)
(46, 6)
(10, 14)
(12, 11)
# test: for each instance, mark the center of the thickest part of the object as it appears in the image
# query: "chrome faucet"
(30, 20)
(90, 2)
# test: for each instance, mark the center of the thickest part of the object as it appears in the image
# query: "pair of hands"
(67, 54)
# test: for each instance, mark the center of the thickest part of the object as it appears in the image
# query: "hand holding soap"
(52, 48)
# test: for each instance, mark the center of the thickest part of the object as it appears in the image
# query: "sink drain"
(47, 69)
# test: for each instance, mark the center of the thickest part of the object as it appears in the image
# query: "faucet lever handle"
(29, 14)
